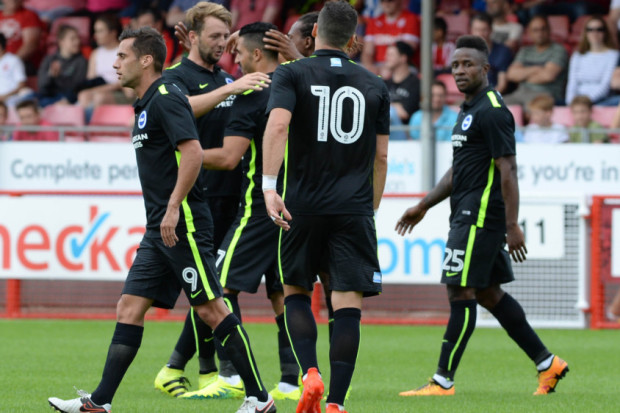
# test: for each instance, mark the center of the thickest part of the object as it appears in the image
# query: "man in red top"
(396, 23)
(28, 113)
(22, 29)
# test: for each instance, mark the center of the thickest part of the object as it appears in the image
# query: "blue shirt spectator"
(443, 117)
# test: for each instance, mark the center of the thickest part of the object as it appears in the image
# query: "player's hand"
(516, 243)
(410, 219)
(276, 209)
(255, 81)
(181, 32)
(281, 43)
(231, 44)
(168, 226)
(54, 69)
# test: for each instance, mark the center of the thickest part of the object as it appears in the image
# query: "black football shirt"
(338, 108)
(163, 119)
(248, 120)
(194, 79)
(484, 131)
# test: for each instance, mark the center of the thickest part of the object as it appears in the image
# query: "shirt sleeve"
(283, 92)
(498, 129)
(175, 115)
(172, 76)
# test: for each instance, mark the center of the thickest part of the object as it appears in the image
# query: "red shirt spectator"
(395, 24)
(22, 29)
(29, 115)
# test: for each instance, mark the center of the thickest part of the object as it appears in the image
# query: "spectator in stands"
(442, 49)
(443, 117)
(151, 17)
(22, 29)
(592, 64)
(4, 116)
(571, 8)
(581, 109)
(613, 19)
(444, 7)
(250, 11)
(505, 32)
(61, 73)
(12, 76)
(541, 128)
(403, 83)
(396, 23)
(49, 10)
(539, 68)
(176, 12)
(500, 56)
(102, 85)
(29, 115)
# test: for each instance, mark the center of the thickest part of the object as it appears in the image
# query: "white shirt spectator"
(12, 73)
(556, 133)
(590, 74)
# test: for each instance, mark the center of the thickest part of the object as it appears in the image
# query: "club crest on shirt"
(142, 119)
(229, 80)
(467, 122)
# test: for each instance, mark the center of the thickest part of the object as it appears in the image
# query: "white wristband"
(269, 182)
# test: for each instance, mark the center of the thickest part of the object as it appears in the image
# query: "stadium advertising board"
(95, 238)
(111, 167)
(70, 237)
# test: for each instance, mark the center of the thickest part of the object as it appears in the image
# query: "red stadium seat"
(604, 114)
(453, 95)
(517, 113)
(111, 115)
(560, 28)
(458, 25)
(290, 21)
(577, 28)
(562, 115)
(66, 115)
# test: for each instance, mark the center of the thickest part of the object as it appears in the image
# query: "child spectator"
(541, 129)
(581, 109)
(443, 117)
(62, 72)
(442, 49)
(29, 115)
(592, 65)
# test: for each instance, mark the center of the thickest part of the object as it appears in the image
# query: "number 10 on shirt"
(331, 112)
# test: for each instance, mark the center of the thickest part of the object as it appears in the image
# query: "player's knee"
(131, 310)
(212, 312)
(456, 293)
(489, 297)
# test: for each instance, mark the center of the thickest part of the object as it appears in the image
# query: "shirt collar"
(195, 66)
(476, 98)
(330, 52)
(139, 103)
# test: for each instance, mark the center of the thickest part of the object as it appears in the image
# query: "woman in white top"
(102, 82)
(593, 63)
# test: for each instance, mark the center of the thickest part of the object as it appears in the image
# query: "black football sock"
(205, 344)
(460, 328)
(301, 328)
(227, 369)
(511, 316)
(185, 348)
(288, 364)
(123, 348)
(330, 315)
(343, 352)
(236, 343)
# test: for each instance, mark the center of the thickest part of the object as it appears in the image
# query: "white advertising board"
(111, 167)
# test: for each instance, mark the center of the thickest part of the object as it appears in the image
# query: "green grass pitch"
(42, 358)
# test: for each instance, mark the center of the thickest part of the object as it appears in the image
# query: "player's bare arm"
(228, 156)
(203, 103)
(274, 144)
(380, 170)
(510, 192)
(281, 43)
(413, 215)
(189, 168)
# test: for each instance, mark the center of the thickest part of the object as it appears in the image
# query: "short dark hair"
(483, 17)
(112, 22)
(2, 41)
(474, 42)
(153, 12)
(63, 30)
(253, 34)
(404, 49)
(440, 84)
(306, 23)
(28, 103)
(337, 22)
(441, 24)
(148, 41)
